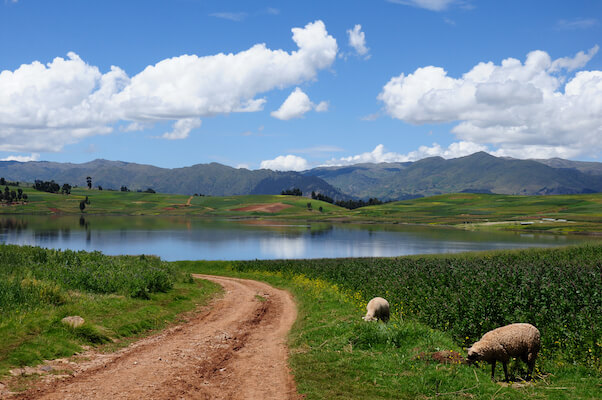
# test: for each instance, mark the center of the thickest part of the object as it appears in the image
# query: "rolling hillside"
(210, 179)
(477, 173)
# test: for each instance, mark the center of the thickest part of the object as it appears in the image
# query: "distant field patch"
(270, 208)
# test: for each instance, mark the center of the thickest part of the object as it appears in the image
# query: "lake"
(180, 238)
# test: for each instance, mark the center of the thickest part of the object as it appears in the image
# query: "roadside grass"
(39, 287)
(336, 355)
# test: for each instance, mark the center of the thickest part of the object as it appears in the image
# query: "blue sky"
(292, 85)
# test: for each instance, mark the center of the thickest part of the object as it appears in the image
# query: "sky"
(295, 85)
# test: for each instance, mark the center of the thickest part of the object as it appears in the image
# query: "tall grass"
(31, 276)
(557, 290)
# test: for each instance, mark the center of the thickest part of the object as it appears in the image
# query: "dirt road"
(236, 349)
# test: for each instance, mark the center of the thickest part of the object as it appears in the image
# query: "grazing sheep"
(514, 340)
(378, 308)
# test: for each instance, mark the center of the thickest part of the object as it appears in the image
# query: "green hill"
(212, 179)
(477, 173)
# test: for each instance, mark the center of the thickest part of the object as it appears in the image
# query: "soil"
(443, 357)
(233, 349)
(270, 207)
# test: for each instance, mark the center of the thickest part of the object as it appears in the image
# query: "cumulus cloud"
(522, 109)
(380, 155)
(572, 63)
(286, 163)
(357, 40)
(433, 5)
(182, 128)
(45, 106)
(32, 157)
(296, 105)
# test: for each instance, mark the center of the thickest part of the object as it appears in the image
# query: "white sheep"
(514, 340)
(378, 308)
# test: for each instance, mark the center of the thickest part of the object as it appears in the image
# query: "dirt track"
(236, 349)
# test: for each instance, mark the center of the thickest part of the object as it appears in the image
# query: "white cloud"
(44, 107)
(577, 23)
(133, 127)
(579, 61)
(32, 157)
(357, 40)
(296, 105)
(232, 16)
(286, 163)
(433, 5)
(520, 109)
(380, 155)
(182, 128)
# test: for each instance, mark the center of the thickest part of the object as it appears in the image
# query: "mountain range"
(479, 172)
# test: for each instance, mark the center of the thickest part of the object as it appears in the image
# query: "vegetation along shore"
(440, 305)
(580, 213)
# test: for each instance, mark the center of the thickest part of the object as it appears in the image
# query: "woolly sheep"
(378, 308)
(514, 340)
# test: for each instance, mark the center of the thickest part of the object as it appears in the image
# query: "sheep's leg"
(505, 364)
(492, 369)
(531, 364)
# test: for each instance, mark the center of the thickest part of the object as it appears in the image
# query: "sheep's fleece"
(378, 308)
(514, 340)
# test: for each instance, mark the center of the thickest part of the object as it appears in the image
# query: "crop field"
(106, 202)
(555, 214)
(118, 297)
(466, 295)
(580, 212)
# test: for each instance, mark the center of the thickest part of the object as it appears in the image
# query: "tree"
(149, 190)
(89, 182)
(321, 209)
(292, 192)
(125, 189)
(25, 197)
(2, 181)
(99, 187)
(66, 188)
(82, 205)
(19, 194)
(87, 201)
(309, 206)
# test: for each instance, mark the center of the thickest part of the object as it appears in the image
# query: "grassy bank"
(119, 298)
(335, 355)
(556, 214)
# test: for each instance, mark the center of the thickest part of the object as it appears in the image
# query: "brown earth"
(234, 349)
(442, 357)
(270, 207)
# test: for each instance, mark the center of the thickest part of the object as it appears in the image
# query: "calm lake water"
(176, 238)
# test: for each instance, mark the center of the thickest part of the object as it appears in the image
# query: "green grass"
(583, 212)
(105, 202)
(120, 298)
(336, 355)
(466, 295)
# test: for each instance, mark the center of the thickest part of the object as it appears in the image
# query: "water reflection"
(180, 238)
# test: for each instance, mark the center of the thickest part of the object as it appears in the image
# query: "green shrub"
(558, 290)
